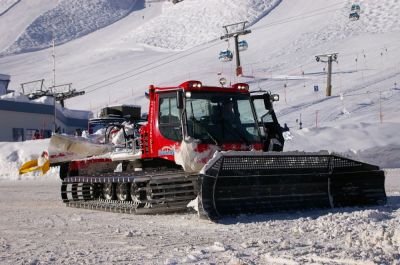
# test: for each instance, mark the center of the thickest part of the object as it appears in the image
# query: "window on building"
(46, 133)
(32, 134)
(3, 86)
(18, 134)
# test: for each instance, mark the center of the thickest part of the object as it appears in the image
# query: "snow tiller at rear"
(220, 144)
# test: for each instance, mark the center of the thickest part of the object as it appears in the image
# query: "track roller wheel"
(123, 191)
(74, 191)
(138, 195)
(109, 191)
(87, 191)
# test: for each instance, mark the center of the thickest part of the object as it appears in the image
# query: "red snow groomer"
(223, 146)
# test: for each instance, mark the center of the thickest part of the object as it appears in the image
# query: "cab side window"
(261, 111)
(169, 118)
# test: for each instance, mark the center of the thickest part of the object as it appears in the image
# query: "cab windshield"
(217, 118)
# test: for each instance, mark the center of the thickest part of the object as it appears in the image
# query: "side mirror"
(179, 99)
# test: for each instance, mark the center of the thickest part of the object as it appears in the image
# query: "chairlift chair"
(243, 45)
(355, 8)
(354, 16)
(225, 56)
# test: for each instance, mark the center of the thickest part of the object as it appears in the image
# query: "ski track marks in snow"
(69, 20)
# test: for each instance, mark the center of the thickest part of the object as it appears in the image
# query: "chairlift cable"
(301, 16)
(143, 71)
(213, 42)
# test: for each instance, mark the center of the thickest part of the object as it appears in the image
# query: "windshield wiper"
(238, 133)
(193, 119)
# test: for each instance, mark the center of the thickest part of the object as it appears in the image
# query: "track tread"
(168, 191)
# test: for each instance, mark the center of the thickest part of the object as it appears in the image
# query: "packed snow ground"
(39, 229)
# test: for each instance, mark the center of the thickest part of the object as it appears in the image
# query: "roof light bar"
(241, 86)
(195, 84)
(191, 84)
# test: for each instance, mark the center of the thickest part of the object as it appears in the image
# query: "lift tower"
(328, 58)
(237, 29)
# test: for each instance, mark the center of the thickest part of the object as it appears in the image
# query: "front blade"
(238, 182)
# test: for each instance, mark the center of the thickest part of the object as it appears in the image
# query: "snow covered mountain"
(69, 20)
(114, 49)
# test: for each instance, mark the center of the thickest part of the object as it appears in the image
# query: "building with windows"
(4, 81)
(23, 119)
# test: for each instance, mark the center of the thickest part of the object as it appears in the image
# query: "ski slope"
(183, 26)
(69, 20)
(17, 19)
(116, 63)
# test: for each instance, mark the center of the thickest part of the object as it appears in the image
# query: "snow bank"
(20, 152)
(385, 156)
(15, 97)
(76, 114)
(372, 143)
(14, 154)
(18, 97)
(185, 25)
(69, 20)
(44, 100)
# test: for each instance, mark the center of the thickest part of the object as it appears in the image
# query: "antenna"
(54, 61)
(54, 83)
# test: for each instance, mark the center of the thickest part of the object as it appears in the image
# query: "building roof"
(67, 116)
(4, 77)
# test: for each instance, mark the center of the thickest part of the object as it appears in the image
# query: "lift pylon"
(234, 31)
